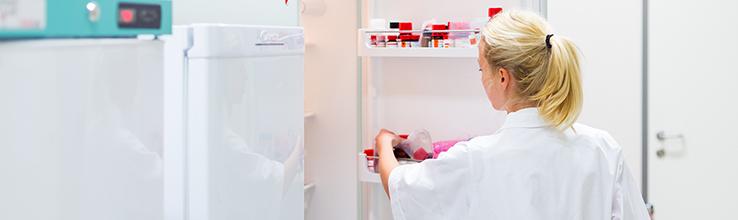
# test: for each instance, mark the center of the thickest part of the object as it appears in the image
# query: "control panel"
(136, 15)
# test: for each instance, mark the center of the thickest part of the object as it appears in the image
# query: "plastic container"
(392, 41)
(418, 145)
(443, 146)
(406, 28)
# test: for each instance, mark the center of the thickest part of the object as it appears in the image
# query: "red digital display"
(127, 15)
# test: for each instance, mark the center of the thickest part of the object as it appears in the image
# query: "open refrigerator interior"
(410, 86)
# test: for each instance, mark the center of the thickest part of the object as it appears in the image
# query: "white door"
(81, 129)
(245, 129)
(693, 86)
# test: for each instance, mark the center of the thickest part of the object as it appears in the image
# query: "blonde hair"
(546, 70)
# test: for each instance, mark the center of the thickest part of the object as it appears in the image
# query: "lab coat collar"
(524, 118)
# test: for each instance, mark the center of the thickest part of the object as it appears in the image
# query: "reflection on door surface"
(251, 110)
(80, 130)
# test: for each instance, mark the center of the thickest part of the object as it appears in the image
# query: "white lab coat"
(526, 170)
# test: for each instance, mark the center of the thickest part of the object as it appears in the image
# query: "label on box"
(22, 14)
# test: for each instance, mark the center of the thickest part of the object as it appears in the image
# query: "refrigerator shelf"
(365, 174)
(369, 175)
(365, 50)
(309, 190)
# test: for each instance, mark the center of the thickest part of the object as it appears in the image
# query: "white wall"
(255, 12)
(608, 33)
(331, 92)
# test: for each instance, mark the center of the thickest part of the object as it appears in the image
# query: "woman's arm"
(385, 140)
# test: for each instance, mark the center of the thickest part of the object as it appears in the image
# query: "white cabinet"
(81, 129)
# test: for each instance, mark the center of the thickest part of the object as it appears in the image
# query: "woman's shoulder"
(600, 137)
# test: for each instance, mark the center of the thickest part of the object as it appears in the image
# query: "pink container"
(443, 146)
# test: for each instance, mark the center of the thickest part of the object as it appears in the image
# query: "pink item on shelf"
(443, 146)
(459, 25)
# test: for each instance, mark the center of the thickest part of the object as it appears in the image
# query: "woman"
(540, 164)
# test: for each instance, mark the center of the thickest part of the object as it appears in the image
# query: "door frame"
(644, 104)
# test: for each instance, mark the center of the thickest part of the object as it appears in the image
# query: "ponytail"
(560, 99)
(545, 67)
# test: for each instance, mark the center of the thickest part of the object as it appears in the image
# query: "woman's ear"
(504, 77)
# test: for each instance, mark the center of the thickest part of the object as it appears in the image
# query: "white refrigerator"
(238, 152)
(81, 129)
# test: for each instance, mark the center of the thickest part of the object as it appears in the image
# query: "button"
(127, 15)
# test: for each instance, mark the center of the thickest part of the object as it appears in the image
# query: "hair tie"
(548, 40)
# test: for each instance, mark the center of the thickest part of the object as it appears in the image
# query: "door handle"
(663, 138)
(269, 44)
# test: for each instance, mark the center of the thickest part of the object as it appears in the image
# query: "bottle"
(426, 39)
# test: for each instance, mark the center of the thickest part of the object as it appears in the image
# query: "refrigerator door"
(81, 127)
(245, 123)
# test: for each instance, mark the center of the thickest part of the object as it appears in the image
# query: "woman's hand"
(384, 141)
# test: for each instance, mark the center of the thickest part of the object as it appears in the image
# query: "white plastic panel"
(80, 131)
(245, 138)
